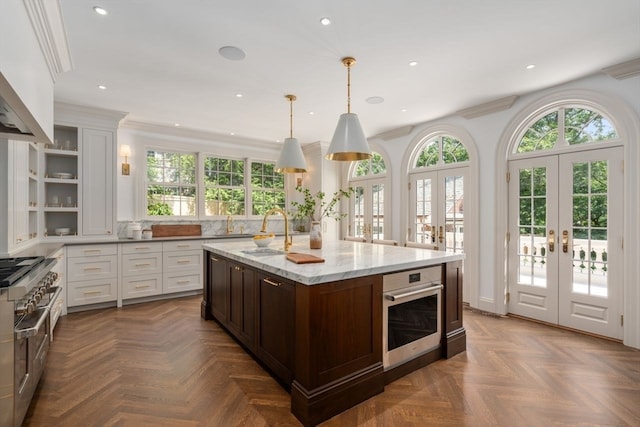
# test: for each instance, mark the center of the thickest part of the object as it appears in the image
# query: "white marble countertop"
(343, 260)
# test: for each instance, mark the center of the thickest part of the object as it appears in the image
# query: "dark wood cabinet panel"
(218, 285)
(242, 303)
(455, 338)
(275, 344)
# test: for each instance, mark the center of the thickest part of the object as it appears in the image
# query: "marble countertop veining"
(343, 260)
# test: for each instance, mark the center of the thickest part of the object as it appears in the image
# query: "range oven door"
(411, 323)
(30, 352)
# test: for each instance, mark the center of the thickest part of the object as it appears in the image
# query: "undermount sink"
(262, 251)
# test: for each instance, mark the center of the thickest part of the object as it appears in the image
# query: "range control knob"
(30, 307)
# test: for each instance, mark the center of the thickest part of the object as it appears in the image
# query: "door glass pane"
(358, 212)
(590, 203)
(532, 251)
(377, 195)
(424, 214)
(454, 213)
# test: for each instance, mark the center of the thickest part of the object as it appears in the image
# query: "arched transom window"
(440, 150)
(564, 127)
(372, 166)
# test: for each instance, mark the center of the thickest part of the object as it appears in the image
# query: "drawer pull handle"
(142, 248)
(183, 281)
(92, 292)
(87, 251)
(183, 261)
(183, 245)
(271, 282)
(143, 264)
(92, 269)
(214, 259)
(142, 286)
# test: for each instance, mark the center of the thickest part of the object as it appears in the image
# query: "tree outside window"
(267, 188)
(224, 186)
(171, 183)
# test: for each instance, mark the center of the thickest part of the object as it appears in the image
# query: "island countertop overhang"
(343, 259)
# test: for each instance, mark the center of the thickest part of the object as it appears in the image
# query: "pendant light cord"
(291, 118)
(349, 88)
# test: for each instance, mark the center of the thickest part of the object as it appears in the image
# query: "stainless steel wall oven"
(412, 314)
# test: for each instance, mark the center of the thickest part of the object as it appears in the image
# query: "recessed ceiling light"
(325, 21)
(311, 113)
(100, 10)
(404, 110)
(232, 133)
(177, 125)
(232, 53)
(102, 87)
(239, 95)
(530, 66)
(375, 100)
(413, 63)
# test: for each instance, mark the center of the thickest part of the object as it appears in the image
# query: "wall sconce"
(125, 151)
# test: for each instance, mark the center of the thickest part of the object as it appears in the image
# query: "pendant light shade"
(291, 159)
(348, 142)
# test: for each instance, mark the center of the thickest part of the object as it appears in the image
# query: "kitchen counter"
(343, 260)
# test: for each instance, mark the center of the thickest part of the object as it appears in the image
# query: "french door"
(565, 246)
(367, 209)
(437, 208)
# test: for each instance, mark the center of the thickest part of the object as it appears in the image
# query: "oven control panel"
(40, 296)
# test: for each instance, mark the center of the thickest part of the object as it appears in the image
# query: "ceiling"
(159, 59)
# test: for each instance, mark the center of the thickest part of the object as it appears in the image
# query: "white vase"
(315, 235)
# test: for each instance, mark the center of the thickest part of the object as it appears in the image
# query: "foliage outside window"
(571, 125)
(441, 150)
(372, 166)
(224, 192)
(171, 183)
(267, 188)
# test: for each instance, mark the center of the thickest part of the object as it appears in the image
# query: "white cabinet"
(182, 266)
(141, 268)
(98, 165)
(92, 274)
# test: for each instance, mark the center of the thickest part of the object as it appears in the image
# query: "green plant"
(315, 207)
(158, 208)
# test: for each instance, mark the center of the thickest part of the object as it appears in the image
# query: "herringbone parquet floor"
(160, 364)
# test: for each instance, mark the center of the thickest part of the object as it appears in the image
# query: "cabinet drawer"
(89, 268)
(92, 250)
(182, 245)
(135, 287)
(92, 292)
(190, 261)
(184, 282)
(133, 265)
(141, 247)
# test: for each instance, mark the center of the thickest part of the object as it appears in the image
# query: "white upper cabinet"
(97, 178)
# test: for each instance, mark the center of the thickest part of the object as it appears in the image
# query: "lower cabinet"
(258, 310)
(276, 308)
(181, 266)
(92, 274)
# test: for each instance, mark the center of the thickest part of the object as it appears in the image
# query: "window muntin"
(442, 149)
(267, 188)
(566, 126)
(224, 189)
(171, 183)
(372, 166)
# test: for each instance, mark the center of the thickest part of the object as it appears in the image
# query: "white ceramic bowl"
(62, 231)
(262, 241)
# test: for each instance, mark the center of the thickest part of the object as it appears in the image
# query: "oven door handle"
(395, 297)
(33, 331)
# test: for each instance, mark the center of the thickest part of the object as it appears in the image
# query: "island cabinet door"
(242, 303)
(218, 284)
(454, 337)
(276, 325)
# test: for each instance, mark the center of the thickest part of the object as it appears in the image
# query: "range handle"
(413, 292)
(33, 330)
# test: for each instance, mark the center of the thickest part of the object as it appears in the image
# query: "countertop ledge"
(343, 260)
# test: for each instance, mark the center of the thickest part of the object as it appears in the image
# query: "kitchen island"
(319, 327)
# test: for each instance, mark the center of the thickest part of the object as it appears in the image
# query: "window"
(267, 188)
(171, 183)
(372, 166)
(367, 208)
(441, 150)
(566, 126)
(224, 189)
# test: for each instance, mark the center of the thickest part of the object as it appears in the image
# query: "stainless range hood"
(16, 122)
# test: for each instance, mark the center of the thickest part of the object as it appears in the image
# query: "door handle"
(441, 234)
(565, 241)
(552, 240)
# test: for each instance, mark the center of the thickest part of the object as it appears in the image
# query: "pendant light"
(291, 158)
(348, 142)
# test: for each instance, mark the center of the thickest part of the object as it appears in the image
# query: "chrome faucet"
(229, 224)
(288, 241)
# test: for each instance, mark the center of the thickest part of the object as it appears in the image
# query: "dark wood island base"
(324, 341)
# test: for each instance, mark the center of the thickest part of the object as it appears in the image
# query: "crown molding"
(624, 70)
(80, 114)
(195, 134)
(394, 133)
(488, 107)
(48, 26)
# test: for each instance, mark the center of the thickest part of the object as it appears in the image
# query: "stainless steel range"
(28, 293)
